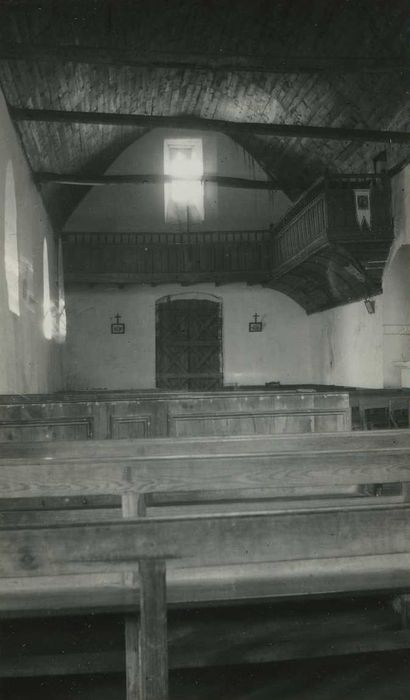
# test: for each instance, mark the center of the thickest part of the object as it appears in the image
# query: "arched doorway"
(396, 316)
(189, 343)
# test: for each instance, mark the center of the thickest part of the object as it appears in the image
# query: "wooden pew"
(377, 531)
(109, 449)
(152, 413)
(307, 536)
(70, 469)
(276, 473)
(99, 453)
(370, 539)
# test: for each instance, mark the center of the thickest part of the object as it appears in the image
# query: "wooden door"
(189, 345)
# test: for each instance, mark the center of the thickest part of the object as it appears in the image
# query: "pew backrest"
(60, 482)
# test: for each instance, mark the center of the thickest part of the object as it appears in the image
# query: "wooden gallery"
(204, 349)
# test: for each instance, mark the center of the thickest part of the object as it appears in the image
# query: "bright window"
(48, 322)
(11, 257)
(184, 195)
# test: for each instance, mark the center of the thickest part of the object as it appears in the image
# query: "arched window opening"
(62, 320)
(47, 305)
(11, 257)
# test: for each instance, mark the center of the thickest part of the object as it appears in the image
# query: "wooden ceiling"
(339, 66)
(307, 87)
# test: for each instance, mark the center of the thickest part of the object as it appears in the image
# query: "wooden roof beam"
(191, 122)
(242, 63)
(95, 180)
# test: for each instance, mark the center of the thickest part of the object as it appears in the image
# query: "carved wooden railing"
(161, 257)
(327, 214)
(300, 236)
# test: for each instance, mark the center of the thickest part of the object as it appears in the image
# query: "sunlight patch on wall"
(62, 319)
(11, 257)
(48, 321)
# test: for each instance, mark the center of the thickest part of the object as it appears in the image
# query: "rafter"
(244, 63)
(191, 122)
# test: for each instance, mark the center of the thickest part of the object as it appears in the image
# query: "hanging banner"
(362, 202)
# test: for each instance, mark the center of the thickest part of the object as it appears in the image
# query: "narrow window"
(11, 257)
(184, 194)
(47, 307)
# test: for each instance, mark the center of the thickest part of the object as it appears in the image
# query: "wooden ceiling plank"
(191, 122)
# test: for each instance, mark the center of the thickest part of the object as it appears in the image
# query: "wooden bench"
(309, 538)
(314, 541)
(76, 458)
(50, 482)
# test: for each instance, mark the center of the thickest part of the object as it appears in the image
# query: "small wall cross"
(255, 326)
(118, 328)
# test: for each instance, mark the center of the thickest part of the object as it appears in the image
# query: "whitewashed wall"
(28, 362)
(96, 359)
